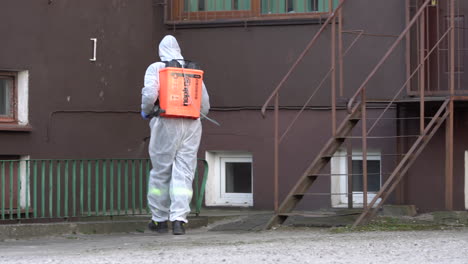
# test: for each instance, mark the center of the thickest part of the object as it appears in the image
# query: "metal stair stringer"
(309, 176)
(404, 164)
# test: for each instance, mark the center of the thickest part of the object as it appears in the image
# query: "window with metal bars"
(212, 10)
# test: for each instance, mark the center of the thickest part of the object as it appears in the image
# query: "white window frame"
(215, 192)
(339, 179)
(23, 98)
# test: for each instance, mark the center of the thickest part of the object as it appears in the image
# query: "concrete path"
(283, 245)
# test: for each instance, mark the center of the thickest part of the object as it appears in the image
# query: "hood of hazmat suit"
(169, 50)
(173, 146)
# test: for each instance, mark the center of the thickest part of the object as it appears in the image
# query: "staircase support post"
(364, 149)
(422, 71)
(276, 173)
(449, 123)
(449, 159)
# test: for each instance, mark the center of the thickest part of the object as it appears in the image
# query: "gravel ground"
(285, 245)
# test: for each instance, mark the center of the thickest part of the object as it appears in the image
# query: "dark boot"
(160, 227)
(178, 228)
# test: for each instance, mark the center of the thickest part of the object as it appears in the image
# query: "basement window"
(230, 179)
(339, 183)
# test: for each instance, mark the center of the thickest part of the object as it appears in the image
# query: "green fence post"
(74, 188)
(133, 188)
(18, 187)
(147, 184)
(104, 185)
(96, 181)
(59, 195)
(89, 187)
(203, 186)
(43, 187)
(126, 187)
(81, 187)
(140, 189)
(35, 189)
(119, 186)
(51, 188)
(27, 189)
(111, 202)
(3, 189)
(11, 190)
(66, 189)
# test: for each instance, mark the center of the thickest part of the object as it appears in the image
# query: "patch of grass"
(90, 232)
(390, 224)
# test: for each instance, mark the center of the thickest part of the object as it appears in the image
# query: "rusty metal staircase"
(310, 175)
(357, 112)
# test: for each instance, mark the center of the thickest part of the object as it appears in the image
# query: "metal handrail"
(320, 85)
(385, 57)
(304, 52)
(409, 79)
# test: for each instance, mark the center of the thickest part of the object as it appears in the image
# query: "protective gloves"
(144, 116)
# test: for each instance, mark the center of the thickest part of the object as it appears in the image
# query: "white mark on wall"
(68, 98)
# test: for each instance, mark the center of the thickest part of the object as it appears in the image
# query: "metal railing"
(333, 18)
(68, 188)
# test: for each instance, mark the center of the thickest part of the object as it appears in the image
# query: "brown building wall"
(52, 42)
(244, 64)
(247, 131)
(83, 109)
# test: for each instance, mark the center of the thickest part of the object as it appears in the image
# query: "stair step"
(319, 214)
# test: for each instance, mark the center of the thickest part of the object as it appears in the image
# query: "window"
(7, 97)
(213, 10)
(339, 185)
(229, 180)
(373, 174)
(294, 6)
(13, 98)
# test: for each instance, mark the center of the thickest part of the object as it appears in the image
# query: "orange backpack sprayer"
(180, 92)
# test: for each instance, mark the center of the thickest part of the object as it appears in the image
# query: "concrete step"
(93, 225)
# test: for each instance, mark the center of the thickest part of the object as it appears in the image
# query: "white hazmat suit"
(173, 146)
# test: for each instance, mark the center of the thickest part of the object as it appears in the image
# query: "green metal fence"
(50, 189)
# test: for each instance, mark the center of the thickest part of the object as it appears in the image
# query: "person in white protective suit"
(173, 149)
